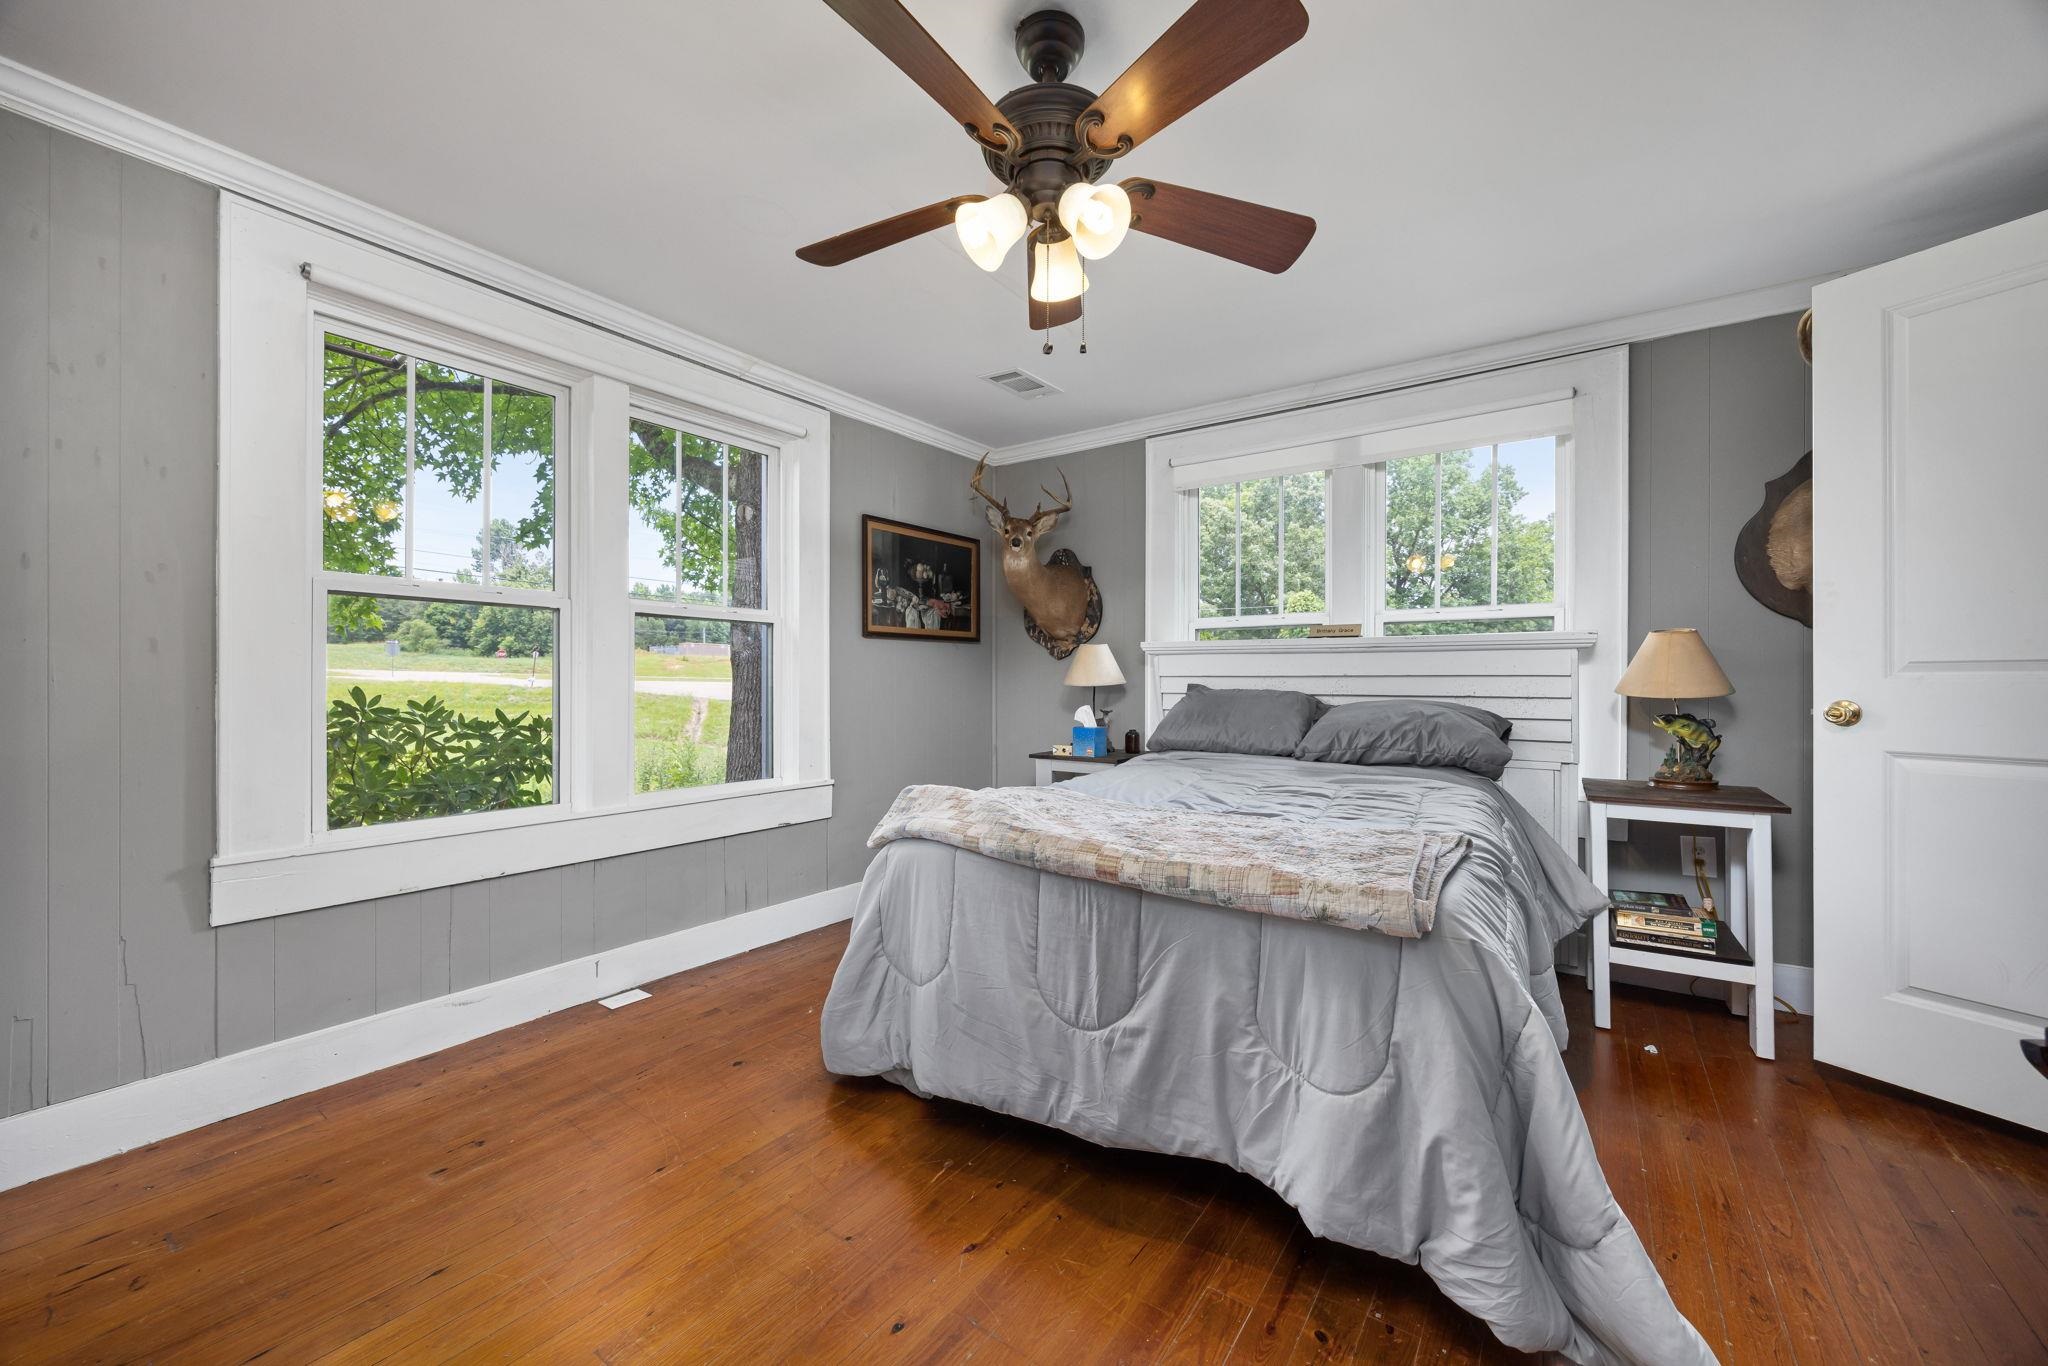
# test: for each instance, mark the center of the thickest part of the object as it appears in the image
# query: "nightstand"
(1746, 963)
(1057, 768)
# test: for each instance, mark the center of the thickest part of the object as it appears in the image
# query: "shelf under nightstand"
(1747, 917)
(1057, 768)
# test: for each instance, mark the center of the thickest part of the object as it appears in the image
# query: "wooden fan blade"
(1044, 316)
(1271, 239)
(848, 246)
(900, 38)
(1215, 43)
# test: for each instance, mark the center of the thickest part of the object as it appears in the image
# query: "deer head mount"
(1062, 606)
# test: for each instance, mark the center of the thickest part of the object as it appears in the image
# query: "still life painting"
(918, 583)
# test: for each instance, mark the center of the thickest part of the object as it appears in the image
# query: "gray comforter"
(1406, 1096)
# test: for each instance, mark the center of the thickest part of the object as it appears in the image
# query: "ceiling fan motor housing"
(1050, 157)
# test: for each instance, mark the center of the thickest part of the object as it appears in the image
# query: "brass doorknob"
(1842, 712)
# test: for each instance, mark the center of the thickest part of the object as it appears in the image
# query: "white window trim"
(272, 856)
(1584, 398)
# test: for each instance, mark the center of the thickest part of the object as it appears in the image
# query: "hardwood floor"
(680, 1180)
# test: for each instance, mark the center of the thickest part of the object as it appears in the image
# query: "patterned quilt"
(1360, 877)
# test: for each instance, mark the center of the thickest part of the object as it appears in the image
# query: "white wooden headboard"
(1532, 679)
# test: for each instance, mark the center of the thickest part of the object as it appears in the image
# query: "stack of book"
(1663, 920)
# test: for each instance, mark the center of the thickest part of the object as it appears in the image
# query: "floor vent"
(1021, 383)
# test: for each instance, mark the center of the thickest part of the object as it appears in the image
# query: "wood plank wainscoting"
(681, 1180)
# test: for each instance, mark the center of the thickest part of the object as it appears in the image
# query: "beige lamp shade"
(1674, 664)
(1093, 666)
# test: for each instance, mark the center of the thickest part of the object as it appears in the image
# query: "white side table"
(1057, 768)
(1745, 813)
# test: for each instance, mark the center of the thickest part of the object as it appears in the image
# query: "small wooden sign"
(1327, 629)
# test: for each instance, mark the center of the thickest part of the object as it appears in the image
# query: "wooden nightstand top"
(1631, 792)
(1115, 758)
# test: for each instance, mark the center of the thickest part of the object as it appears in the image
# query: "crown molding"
(95, 118)
(1663, 322)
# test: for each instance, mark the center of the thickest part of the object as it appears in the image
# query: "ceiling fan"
(1051, 144)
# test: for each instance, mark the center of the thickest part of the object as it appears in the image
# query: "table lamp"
(1092, 667)
(1675, 664)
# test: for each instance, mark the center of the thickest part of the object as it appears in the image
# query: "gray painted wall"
(1712, 415)
(1033, 710)
(108, 970)
(903, 711)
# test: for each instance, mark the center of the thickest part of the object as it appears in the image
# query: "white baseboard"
(1794, 984)
(55, 1138)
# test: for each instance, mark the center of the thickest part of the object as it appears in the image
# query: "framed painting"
(917, 583)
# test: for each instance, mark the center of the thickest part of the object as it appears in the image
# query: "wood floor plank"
(1210, 1331)
(1752, 1319)
(1676, 1234)
(1987, 1309)
(683, 1180)
(1745, 1100)
(1929, 1319)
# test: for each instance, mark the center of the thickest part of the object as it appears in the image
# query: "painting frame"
(892, 610)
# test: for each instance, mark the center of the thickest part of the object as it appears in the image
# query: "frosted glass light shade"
(1093, 666)
(1098, 216)
(988, 228)
(1674, 664)
(1057, 275)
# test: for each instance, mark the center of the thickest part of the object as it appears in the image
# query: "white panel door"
(1930, 471)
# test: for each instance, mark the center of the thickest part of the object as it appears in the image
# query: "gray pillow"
(1237, 721)
(1406, 730)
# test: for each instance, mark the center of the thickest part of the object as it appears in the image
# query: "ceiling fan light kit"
(1096, 216)
(989, 227)
(1058, 274)
(1050, 143)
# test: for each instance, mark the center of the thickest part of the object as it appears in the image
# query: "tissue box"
(1091, 742)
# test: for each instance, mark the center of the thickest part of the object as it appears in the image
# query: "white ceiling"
(1482, 170)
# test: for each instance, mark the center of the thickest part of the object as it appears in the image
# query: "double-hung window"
(1470, 539)
(699, 527)
(499, 591)
(440, 614)
(1437, 529)
(1260, 562)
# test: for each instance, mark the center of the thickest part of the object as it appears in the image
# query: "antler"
(1064, 499)
(980, 469)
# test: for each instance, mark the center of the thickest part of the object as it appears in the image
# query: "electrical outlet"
(1706, 847)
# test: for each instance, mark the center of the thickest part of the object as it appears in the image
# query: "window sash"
(1502, 612)
(1494, 608)
(1271, 619)
(772, 587)
(323, 832)
(1240, 618)
(489, 363)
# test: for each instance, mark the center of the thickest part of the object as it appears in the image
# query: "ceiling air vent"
(1021, 384)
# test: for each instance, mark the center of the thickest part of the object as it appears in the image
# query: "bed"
(1406, 1095)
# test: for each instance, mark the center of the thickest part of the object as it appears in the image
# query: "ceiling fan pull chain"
(1030, 247)
(1083, 302)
